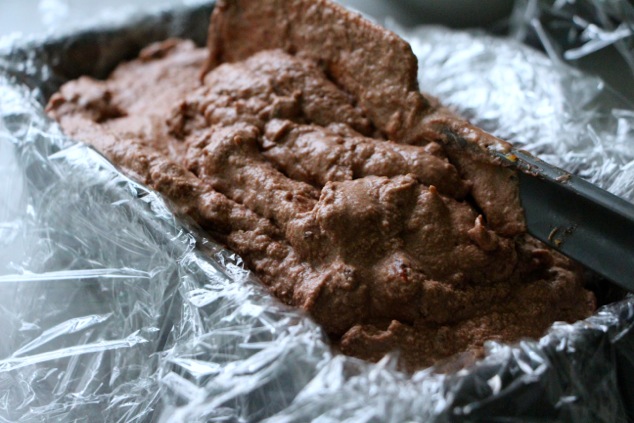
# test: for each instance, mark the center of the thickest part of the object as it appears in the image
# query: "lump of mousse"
(393, 237)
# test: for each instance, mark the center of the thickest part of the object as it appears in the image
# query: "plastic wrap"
(541, 103)
(112, 309)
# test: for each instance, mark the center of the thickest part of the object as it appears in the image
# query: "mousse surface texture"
(299, 139)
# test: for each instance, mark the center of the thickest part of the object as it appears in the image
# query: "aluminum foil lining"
(114, 310)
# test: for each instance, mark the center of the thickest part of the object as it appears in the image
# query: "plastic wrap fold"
(112, 309)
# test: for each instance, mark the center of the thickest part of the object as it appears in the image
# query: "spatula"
(577, 218)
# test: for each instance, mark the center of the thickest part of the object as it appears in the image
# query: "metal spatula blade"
(577, 218)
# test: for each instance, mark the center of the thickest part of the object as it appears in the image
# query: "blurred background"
(37, 16)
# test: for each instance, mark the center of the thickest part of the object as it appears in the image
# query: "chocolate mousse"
(299, 139)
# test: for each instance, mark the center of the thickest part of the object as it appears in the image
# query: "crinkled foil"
(112, 309)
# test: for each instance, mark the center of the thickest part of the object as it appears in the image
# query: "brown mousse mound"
(307, 149)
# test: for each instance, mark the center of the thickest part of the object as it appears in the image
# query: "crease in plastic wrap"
(112, 309)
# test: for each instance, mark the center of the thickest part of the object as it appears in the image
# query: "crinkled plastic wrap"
(570, 119)
(112, 309)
